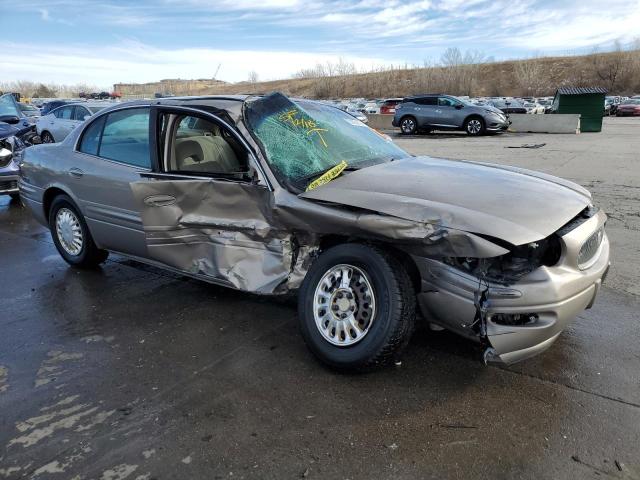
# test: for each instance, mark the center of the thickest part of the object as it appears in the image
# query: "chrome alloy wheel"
(69, 231)
(408, 125)
(474, 126)
(344, 305)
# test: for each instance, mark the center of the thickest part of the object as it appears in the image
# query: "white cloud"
(132, 61)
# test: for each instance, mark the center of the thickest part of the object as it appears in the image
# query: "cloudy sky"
(105, 41)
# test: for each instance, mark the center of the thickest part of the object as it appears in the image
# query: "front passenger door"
(446, 112)
(205, 212)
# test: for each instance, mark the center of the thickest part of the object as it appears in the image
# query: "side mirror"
(5, 155)
(459, 106)
(10, 119)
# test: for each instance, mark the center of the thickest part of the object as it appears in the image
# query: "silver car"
(271, 195)
(56, 125)
(424, 113)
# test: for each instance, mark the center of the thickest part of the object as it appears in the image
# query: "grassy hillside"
(619, 72)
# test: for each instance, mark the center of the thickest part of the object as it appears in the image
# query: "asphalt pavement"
(132, 372)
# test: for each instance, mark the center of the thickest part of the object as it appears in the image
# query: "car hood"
(491, 109)
(7, 130)
(516, 205)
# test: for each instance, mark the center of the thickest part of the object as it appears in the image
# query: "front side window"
(196, 145)
(63, 113)
(79, 113)
(303, 139)
(446, 102)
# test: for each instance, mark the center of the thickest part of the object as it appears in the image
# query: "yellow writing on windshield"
(294, 118)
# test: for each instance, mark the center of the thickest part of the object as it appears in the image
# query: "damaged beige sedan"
(271, 195)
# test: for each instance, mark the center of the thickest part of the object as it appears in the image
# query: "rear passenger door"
(62, 124)
(425, 111)
(206, 210)
(112, 152)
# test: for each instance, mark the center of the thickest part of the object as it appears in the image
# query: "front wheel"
(474, 126)
(356, 307)
(71, 235)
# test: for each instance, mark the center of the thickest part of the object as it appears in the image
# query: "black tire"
(46, 137)
(393, 322)
(408, 125)
(474, 126)
(89, 255)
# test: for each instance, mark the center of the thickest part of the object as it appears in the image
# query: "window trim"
(78, 142)
(176, 109)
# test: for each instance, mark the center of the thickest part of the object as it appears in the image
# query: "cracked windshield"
(305, 139)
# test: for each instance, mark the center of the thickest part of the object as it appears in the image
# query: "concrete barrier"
(380, 122)
(550, 123)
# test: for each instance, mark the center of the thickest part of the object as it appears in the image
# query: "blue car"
(445, 112)
(16, 133)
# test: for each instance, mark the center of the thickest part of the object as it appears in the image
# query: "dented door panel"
(218, 229)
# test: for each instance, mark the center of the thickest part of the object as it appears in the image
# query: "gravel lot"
(131, 372)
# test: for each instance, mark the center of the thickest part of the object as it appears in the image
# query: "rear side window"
(91, 137)
(426, 101)
(125, 137)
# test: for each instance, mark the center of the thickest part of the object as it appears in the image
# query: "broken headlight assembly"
(509, 268)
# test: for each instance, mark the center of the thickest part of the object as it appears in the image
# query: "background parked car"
(546, 104)
(508, 105)
(29, 111)
(52, 105)
(533, 107)
(630, 107)
(388, 107)
(55, 126)
(444, 112)
(357, 113)
(16, 133)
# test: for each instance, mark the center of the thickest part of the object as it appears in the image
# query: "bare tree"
(253, 77)
(610, 67)
(530, 76)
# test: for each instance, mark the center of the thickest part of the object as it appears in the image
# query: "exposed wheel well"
(474, 115)
(48, 197)
(404, 258)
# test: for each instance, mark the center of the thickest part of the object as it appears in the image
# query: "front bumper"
(555, 294)
(498, 125)
(8, 183)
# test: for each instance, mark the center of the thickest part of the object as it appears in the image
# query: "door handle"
(160, 200)
(76, 172)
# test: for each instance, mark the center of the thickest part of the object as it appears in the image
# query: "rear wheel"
(46, 137)
(408, 125)
(356, 307)
(71, 235)
(474, 126)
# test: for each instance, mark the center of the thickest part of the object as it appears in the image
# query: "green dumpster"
(587, 101)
